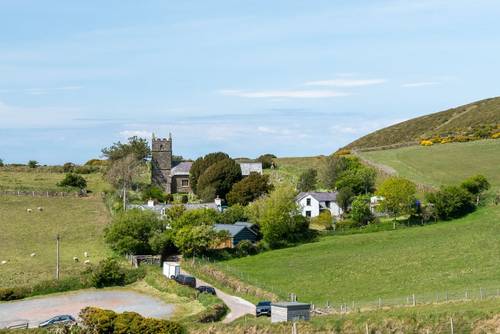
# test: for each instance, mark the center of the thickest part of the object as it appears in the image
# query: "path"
(38, 309)
(238, 306)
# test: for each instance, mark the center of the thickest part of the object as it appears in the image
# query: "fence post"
(446, 295)
(366, 329)
(481, 293)
(414, 301)
(380, 302)
(466, 294)
(451, 326)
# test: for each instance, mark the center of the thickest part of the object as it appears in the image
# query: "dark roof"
(292, 305)
(319, 196)
(232, 229)
(182, 169)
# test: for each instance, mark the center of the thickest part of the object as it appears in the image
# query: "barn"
(290, 311)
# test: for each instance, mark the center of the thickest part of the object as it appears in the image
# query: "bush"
(308, 180)
(451, 202)
(249, 189)
(426, 142)
(1, 163)
(245, 248)
(96, 320)
(324, 220)
(73, 180)
(360, 212)
(495, 135)
(32, 164)
(267, 160)
(213, 313)
(108, 273)
(15, 293)
(155, 193)
(184, 199)
(68, 167)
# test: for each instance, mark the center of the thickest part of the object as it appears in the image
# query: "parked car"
(58, 320)
(206, 289)
(263, 308)
(186, 280)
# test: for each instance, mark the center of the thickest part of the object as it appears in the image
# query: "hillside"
(461, 120)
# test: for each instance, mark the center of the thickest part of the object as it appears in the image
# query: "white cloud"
(299, 94)
(139, 133)
(346, 82)
(420, 84)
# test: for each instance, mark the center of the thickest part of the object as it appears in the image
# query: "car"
(263, 308)
(206, 289)
(186, 280)
(65, 319)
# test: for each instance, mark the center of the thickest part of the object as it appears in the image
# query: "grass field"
(41, 179)
(443, 163)
(79, 221)
(449, 256)
(289, 169)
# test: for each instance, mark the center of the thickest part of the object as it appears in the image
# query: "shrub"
(324, 220)
(451, 202)
(343, 151)
(96, 320)
(213, 313)
(32, 164)
(267, 160)
(495, 135)
(426, 142)
(308, 180)
(155, 193)
(184, 199)
(249, 189)
(68, 167)
(360, 212)
(15, 293)
(108, 273)
(245, 248)
(73, 180)
(1, 163)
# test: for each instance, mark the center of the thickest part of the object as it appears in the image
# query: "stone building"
(172, 179)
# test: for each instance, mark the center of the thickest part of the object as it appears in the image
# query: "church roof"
(182, 169)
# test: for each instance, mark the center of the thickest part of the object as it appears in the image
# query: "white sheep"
(28, 210)
(3, 262)
(33, 254)
(87, 262)
(40, 208)
(75, 259)
(86, 254)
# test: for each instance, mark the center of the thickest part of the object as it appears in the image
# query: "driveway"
(238, 306)
(38, 309)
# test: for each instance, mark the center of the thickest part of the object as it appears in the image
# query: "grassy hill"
(443, 164)
(456, 120)
(289, 169)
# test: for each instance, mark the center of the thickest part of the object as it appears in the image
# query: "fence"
(33, 193)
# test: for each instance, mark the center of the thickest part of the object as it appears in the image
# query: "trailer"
(171, 269)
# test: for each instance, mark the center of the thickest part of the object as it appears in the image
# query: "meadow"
(78, 221)
(289, 169)
(443, 163)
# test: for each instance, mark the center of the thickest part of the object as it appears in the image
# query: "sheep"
(75, 259)
(87, 262)
(40, 208)
(86, 254)
(28, 210)
(3, 262)
(33, 254)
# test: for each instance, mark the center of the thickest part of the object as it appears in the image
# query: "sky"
(293, 78)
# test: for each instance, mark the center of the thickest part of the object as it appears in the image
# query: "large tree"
(249, 189)
(308, 180)
(218, 179)
(398, 197)
(334, 166)
(267, 160)
(122, 173)
(360, 212)
(201, 165)
(361, 180)
(138, 147)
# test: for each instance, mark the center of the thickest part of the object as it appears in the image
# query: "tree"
(476, 185)
(398, 197)
(361, 180)
(68, 167)
(267, 160)
(32, 164)
(201, 165)
(344, 198)
(1, 163)
(250, 188)
(334, 166)
(192, 240)
(131, 231)
(155, 193)
(136, 147)
(218, 179)
(360, 211)
(122, 173)
(451, 202)
(108, 273)
(193, 218)
(308, 180)
(73, 180)
(279, 218)
(234, 213)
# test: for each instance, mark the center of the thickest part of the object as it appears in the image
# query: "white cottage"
(311, 204)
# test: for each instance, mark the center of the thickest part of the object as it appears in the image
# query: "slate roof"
(319, 196)
(182, 169)
(158, 208)
(232, 229)
(250, 167)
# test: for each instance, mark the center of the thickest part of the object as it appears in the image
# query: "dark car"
(186, 280)
(263, 308)
(206, 289)
(58, 320)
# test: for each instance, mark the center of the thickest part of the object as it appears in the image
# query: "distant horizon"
(283, 77)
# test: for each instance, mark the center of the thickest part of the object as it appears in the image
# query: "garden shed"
(290, 311)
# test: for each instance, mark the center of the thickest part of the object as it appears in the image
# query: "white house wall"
(314, 208)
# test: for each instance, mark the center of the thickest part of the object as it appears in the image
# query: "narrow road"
(238, 306)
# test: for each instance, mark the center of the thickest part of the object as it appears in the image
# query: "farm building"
(250, 167)
(290, 311)
(311, 204)
(238, 232)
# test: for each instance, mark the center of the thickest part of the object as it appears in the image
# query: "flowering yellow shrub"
(495, 135)
(343, 151)
(426, 142)
(447, 140)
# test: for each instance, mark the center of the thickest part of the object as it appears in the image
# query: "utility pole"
(57, 256)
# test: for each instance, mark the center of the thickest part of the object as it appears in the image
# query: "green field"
(79, 221)
(42, 179)
(289, 169)
(443, 163)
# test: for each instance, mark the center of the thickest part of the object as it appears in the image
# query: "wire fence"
(346, 305)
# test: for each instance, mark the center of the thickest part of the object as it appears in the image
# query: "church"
(171, 178)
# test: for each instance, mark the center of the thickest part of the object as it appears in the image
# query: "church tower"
(161, 163)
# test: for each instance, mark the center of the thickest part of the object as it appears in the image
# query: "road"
(38, 309)
(238, 306)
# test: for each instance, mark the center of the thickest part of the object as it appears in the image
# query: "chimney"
(218, 201)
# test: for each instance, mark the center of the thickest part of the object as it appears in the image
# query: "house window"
(327, 204)
(185, 183)
(308, 214)
(308, 202)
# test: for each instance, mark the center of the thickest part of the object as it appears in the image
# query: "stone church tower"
(161, 163)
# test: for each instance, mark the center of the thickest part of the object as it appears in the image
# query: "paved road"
(238, 306)
(39, 309)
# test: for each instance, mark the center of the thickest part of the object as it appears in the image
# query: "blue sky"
(293, 78)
